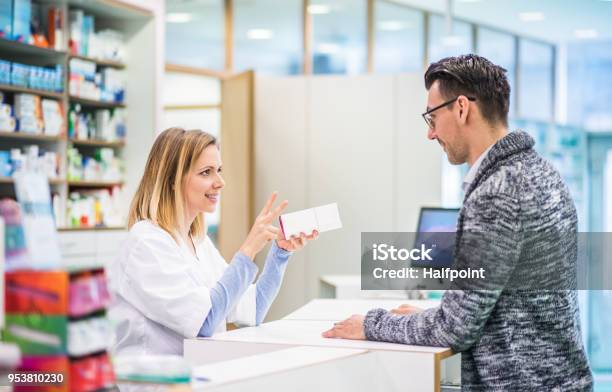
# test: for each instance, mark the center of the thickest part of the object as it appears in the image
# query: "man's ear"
(464, 107)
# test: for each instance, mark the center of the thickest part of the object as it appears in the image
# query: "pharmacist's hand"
(351, 328)
(263, 231)
(294, 242)
(406, 309)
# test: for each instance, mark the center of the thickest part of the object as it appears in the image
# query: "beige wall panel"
(280, 140)
(418, 160)
(350, 158)
(237, 156)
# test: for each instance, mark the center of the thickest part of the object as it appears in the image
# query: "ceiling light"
(391, 25)
(531, 16)
(260, 34)
(179, 17)
(469, 1)
(586, 33)
(318, 9)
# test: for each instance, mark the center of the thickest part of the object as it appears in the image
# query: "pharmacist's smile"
(213, 197)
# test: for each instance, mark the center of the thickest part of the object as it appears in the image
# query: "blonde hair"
(159, 197)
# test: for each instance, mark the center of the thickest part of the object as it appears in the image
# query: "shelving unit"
(42, 93)
(20, 48)
(138, 22)
(93, 184)
(100, 62)
(87, 250)
(95, 104)
(97, 143)
(30, 136)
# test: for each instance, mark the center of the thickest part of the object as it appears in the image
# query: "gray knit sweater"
(510, 340)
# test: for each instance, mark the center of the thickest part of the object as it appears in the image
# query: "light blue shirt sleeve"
(270, 279)
(237, 278)
(228, 290)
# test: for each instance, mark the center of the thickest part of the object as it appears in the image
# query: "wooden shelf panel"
(31, 136)
(93, 184)
(95, 104)
(100, 62)
(98, 143)
(11, 180)
(42, 93)
(7, 45)
(91, 228)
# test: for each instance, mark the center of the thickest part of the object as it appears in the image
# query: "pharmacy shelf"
(93, 184)
(98, 143)
(43, 93)
(11, 180)
(93, 228)
(95, 103)
(30, 136)
(30, 50)
(100, 62)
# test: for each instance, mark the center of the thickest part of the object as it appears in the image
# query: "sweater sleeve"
(228, 290)
(459, 320)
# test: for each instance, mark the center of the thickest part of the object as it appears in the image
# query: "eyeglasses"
(427, 115)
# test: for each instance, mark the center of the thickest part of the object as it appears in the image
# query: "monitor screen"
(436, 230)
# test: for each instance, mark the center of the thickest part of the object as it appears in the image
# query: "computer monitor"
(436, 230)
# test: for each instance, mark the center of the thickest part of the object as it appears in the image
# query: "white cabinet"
(86, 249)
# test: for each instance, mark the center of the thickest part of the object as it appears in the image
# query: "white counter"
(292, 352)
(340, 309)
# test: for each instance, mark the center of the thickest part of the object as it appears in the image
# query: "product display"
(94, 208)
(6, 19)
(28, 113)
(5, 72)
(84, 41)
(22, 15)
(106, 84)
(15, 251)
(31, 114)
(49, 316)
(30, 76)
(103, 166)
(44, 292)
(105, 124)
(46, 161)
(91, 373)
(55, 28)
(88, 336)
(53, 117)
(7, 121)
(88, 293)
(55, 317)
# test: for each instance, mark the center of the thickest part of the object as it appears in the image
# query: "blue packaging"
(6, 18)
(5, 72)
(58, 79)
(5, 164)
(19, 75)
(22, 15)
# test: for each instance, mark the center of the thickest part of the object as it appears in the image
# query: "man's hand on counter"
(351, 328)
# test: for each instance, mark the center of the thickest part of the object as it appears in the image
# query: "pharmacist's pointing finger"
(269, 204)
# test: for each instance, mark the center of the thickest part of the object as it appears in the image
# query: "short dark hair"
(475, 76)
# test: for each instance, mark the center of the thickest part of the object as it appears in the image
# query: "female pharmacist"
(169, 281)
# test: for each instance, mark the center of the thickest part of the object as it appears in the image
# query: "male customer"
(523, 340)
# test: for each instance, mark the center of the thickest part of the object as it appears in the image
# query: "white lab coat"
(161, 292)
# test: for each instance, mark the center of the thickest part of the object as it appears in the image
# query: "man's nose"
(431, 134)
